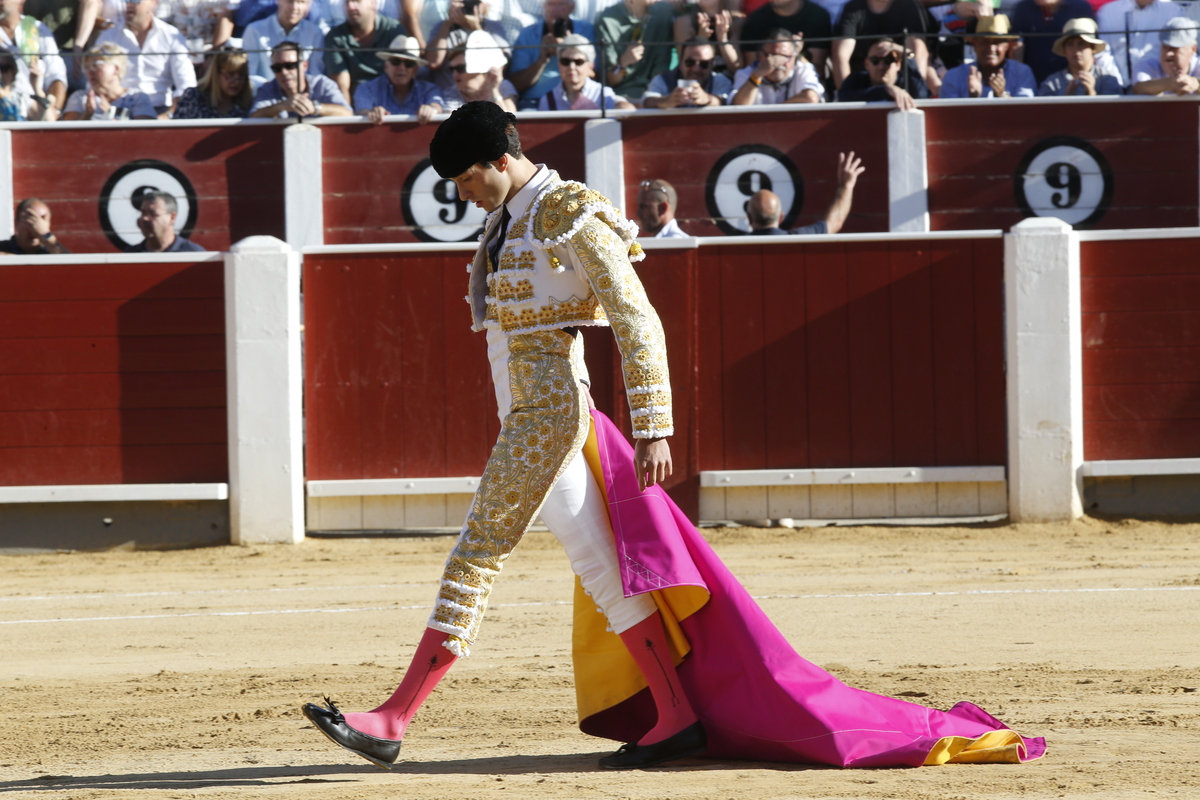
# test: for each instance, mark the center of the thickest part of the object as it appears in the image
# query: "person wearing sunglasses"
(534, 67)
(694, 83)
(715, 21)
(398, 90)
(888, 76)
(295, 92)
(576, 91)
(994, 73)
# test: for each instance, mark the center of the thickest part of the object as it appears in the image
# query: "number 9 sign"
(432, 209)
(743, 171)
(1067, 178)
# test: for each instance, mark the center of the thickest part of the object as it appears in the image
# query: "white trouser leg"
(575, 513)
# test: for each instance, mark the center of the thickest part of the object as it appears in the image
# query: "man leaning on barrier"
(1175, 68)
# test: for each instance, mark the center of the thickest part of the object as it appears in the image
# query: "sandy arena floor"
(180, 674)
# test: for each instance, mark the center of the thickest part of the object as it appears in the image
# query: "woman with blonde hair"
(224, 91)
(106, 98)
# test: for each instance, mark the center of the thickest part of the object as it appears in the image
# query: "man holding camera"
(692, 84)
(465, 17)
(534, 66)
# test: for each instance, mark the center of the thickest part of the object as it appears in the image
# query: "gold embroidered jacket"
(531, 289)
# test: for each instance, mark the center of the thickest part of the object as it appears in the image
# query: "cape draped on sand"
(758, 699)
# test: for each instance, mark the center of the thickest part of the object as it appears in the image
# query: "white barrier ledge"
(392, 486)
(114, 493)
(1148, 466)
(726, 479)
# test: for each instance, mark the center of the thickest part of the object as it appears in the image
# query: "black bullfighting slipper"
(691, 741)
(329, 721)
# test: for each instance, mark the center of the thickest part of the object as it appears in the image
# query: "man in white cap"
(994, 74)
(1130, 27)
(397, 90)
(1176, 69)
(1079, 45)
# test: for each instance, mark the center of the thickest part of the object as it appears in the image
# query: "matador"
(681, 662)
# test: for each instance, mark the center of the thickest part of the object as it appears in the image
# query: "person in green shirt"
(638, 41)
(350, 54)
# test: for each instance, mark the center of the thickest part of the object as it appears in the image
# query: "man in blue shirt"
(534, 66)
(1079, 44)
(994, 74)
(397, 90)
(294, 92)
(157, 224)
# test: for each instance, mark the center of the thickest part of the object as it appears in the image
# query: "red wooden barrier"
(92, 175)
(716, 162)
(379, 185)
(851, 355)
(112, 373)
(1119, 164)
(1141, 348)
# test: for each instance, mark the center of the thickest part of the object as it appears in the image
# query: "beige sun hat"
(403, 47)
(1085, 29)
(996, 26)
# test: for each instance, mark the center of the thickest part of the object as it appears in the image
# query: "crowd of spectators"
(195, 59)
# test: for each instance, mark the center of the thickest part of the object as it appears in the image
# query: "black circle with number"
(746, 183)
(1066, 180)
(173, 181)
(448, 200)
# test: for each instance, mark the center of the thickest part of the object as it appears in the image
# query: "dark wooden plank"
(135, 317)
(954, 354)
(423, 413)
(710, 398)
(95, 427)
(1142, 293)
(744, 378)
(1142, 365)
(990, 385)
(912, 354)
(1143, 257)
(868, 280)
(116, 354)
(827, 340)
(1132, 402)
(786, 357)
(472, 423)
(113, 390)
(1151, 329)
(59, 282)
(68, 466)
(1174, 438)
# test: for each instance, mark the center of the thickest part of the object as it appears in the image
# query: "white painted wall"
(7, 201)
(262, 343)
(303, 186)
(908, 174)
(604, 154)
(1044, 349)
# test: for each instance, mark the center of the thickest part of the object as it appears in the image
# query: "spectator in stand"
(656, 202)
(693, 83)
(33, 236)
(868, 20)
(471, 84)
(243, 13)
(805, 18)
(94, 18)
(993, 74)
(1144, 19)
(295, 91)
(1045, 17)
(885, 78)
(13, 106)
(1079, 45)
(107, 96)
(534, 69)
(164, 71)
(576, 91)
(764, 212)
(223, 93)
(714, 21)
(465, 17)
(777, 76)
(638, 41)
(351, 46)
(288, 24)
(1176, 68)
(398, 90)
(157, 224)
(40, 82)
(197, 21)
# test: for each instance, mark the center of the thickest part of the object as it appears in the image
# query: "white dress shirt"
(45, 46)
(165, 71)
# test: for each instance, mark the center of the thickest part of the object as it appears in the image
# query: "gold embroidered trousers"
(545, 427)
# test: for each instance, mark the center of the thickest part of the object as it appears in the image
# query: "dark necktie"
(497, 243)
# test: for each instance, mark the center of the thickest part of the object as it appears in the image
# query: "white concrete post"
(1044, 344)
(262, 358)
(303, 186)
(605, 159)
(908, 175)
(7, 222)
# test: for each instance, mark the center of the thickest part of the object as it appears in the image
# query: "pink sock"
(647, 643)
(429, 664)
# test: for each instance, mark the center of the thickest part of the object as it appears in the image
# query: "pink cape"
(758, 699)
